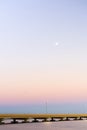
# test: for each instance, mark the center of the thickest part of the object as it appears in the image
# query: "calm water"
(66, 125)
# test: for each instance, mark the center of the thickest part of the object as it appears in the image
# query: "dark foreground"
(64, 125)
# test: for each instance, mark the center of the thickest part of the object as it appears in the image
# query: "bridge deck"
(42, 115)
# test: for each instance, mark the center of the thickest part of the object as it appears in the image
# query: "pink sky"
(33, 67)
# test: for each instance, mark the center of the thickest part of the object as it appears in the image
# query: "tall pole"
(46, 107)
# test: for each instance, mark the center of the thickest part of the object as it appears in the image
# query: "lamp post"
(46, 107)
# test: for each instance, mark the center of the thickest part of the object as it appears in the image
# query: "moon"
(57, 43)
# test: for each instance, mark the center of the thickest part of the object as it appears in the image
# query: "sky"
(43, 56)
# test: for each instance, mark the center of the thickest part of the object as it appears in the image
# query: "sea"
(63, 125)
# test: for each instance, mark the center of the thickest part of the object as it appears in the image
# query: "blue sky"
(33, 69)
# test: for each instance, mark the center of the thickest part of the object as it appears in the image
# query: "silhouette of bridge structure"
(26, 118)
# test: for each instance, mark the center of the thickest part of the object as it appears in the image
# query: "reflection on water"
(64, 125)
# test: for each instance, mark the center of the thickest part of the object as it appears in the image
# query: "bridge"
(26, 118)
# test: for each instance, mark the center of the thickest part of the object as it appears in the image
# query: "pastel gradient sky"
(34, 69)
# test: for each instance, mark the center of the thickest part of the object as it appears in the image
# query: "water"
(64, 125)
